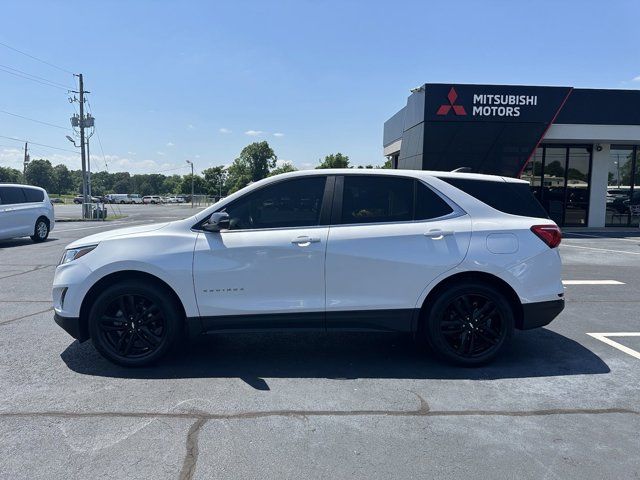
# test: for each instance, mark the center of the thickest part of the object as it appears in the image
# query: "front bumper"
(539, 314)
(73, 326)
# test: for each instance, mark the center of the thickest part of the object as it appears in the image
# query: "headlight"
(75, 253)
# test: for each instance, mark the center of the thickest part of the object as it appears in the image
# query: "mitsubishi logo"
(452, 96)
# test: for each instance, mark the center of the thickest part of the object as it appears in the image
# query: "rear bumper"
(539, 314)
(73, 327)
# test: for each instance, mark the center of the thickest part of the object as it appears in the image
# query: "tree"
(199, 186)
(40, 173)
(10, 175)
(216, 180)
(388, 163)
(337, 160)
(284, 168)
(253, 164)
(62, 181)
(172, 184)
(121, 183)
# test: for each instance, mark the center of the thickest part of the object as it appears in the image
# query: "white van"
(118, 198)
(25, 211)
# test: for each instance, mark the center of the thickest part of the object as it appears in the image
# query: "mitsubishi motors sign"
(493, 103)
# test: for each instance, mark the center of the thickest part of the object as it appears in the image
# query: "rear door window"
(371, 199)
(33, 195)
(12, 195)
(378, 199)
(429, 204)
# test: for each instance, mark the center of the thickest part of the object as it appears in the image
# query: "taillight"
(549, 234)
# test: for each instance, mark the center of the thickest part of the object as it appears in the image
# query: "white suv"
(457, 259)
(25, 211)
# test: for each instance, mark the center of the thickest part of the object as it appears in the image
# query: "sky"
(172, 81)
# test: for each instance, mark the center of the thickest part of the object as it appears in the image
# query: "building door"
(560, 180)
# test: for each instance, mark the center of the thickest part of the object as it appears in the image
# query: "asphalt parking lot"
(561, 402)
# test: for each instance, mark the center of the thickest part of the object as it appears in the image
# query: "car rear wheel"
(469, 324)
(134, 325)
(41, 230)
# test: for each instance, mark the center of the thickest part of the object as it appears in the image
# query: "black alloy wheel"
(132, 324)
(469, 324)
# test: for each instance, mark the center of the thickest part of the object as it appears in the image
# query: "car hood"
(118, 232)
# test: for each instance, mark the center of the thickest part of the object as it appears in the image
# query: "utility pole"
(88, 170)
(26, 161)
(82, 152)
(192, 181)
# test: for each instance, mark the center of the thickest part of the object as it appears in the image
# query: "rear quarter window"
(33, 195)
(507, 197)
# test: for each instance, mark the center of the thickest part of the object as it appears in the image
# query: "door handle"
(305, 240)
(438, 234)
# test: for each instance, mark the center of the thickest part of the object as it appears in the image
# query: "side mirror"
(217, 221)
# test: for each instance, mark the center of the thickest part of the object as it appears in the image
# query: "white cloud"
(224, 130)
(196, 156)
(131, 153)
(170, 144)
(160, 153)
(636, 79)
(190, 126)
(253, 133)
(278, 134)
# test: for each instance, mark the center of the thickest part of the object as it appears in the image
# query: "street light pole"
(192, 181)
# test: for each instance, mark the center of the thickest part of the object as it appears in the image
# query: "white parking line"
(600, 249)
(103, 225)
(603, 237)
(604, 337)
(592, 282)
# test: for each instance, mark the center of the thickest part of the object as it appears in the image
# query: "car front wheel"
(469, 324)
(134, 325)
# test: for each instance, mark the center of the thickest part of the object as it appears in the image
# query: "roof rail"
(463, 170)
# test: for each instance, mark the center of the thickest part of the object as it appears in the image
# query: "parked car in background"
(78, 199)
(120, 198)
(184, 198)
(135, 198)
(174, 199)
(57, 200)
(153, 199)
(459, 260)
(25, 211)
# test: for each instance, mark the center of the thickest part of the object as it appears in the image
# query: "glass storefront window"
(619, 185)
(553, 196)
(577, 192)
(559, 178)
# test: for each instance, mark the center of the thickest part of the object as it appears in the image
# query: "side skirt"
(401, 320)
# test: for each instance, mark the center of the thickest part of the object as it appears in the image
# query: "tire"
(121, 331)
(468, 324)
(40, 230)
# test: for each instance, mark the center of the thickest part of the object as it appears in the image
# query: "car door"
(390, 237)
(13, 214)
(267, 269)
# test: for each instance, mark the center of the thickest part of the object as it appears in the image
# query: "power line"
(34, 120)
(34, 80)
(40, 144)
(35, 58)
(36, 76)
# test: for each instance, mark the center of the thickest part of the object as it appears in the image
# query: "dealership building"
(579, 148)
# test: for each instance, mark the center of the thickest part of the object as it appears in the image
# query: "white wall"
(599, 177)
